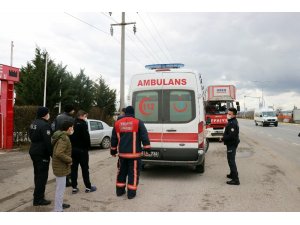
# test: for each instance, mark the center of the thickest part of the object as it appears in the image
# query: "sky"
(258, 52)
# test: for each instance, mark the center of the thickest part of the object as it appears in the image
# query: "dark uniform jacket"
(127, 135)
(40, 136)
(80, 139)
(231, 134)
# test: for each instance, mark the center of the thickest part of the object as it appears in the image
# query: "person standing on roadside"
(67, 115)
(81, 143)
(61, 162)
(231, 140)
(127, 136)
(40, 152)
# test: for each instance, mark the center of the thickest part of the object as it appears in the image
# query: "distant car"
(100, 133)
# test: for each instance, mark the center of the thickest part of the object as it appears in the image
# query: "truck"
(296, 115)
(169, 100)
(217, 100)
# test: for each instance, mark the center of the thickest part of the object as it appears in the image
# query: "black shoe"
(120, 193)
(229, 176)
(233, 182)
(131, 196)
(66, 206)
(42, 202)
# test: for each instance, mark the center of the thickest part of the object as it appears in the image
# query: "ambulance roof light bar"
(164, 66)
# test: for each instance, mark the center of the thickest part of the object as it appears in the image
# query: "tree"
(105, 98)
(30, 89)
(82, 91)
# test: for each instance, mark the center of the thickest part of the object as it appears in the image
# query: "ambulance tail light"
(201, 135)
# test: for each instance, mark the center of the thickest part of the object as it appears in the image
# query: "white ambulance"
(170, 102)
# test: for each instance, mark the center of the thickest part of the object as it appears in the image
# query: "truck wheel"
(200, 168)
(143, 167)
(206, 145)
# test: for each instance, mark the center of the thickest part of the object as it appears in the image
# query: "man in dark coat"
(81, 143)
(231, 140)
(40, 152)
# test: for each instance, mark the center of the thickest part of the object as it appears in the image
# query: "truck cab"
(218, 99)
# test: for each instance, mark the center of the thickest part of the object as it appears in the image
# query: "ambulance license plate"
(151, 154)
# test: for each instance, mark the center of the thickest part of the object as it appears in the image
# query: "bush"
(23, 116)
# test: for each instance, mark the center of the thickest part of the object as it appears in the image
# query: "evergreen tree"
(105, 97)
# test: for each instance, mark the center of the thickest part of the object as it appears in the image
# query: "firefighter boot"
(131, 194)
(120, 191)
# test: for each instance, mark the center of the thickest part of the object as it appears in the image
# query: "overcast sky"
(257, 52)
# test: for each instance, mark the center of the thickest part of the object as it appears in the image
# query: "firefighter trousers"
(128, 168)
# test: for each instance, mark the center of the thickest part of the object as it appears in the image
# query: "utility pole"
(11, 52)
(123, 24)
(45, 84)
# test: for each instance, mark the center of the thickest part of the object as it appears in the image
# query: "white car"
(100, 133)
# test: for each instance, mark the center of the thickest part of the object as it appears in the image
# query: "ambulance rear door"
(180, 120)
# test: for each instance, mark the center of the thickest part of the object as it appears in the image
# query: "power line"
(163, 41)
(147, 47)
(86, 23)
(153, 36)
(104, 33)
(147, 52)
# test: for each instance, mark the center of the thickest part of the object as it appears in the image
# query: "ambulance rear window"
(165, 106)
(146, 106)
(180, 107)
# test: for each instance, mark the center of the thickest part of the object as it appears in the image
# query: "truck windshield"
(217, 107)
(270, 114)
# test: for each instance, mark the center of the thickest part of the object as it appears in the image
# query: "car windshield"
(266, 114)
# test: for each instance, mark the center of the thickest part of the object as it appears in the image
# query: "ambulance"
(169, 100)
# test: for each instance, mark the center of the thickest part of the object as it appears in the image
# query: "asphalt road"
(267, 159)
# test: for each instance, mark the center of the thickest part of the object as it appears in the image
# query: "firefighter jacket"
(127, 136)
(40, 137)
(231, 133)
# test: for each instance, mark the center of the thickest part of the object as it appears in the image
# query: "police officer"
(231, 140)
(40, 152)
(127, 135)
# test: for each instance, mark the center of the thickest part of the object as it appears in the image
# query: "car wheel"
(255, 123)
(105, 142)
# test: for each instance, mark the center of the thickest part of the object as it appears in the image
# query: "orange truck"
(217, 100)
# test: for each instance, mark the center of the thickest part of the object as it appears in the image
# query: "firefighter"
(40, 152)
(231, 140)
(127, 136)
